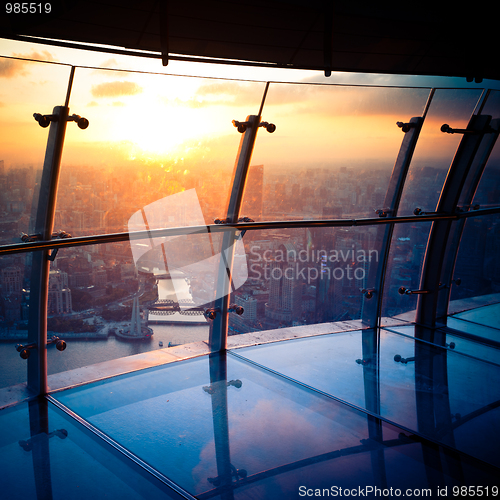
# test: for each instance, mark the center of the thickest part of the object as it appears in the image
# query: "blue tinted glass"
(416, 382)
(58, 458)
(478, 269)
(218, 424)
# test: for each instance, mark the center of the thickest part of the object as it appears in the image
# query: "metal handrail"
(220, 228)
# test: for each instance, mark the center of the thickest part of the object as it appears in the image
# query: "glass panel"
(487, 191)
(454, 399)
(489, 185)
(425, 391)
(150, 137)
(302, 277)
(458, 343)
(109, 301)
(26, 88)
(332, 153)
(15, 272)
(478, 269)
(46, 454)
(404, 265)
(435, 150)
(233, 426)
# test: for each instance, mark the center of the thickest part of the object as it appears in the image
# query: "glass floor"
(288, 419)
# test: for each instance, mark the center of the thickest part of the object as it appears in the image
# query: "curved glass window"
(332, 153)
(435, 150)
(403, 270)
(474, 304)
(26, 88)
(150, 136)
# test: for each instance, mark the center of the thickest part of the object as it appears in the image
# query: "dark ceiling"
(415, 38)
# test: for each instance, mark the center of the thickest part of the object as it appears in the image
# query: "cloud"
(230, 94)
(115, 89)
(109, 63)
(44, 55)
(10, 68)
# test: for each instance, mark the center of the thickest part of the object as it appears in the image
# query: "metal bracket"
(405, 291)
(400, 359)
(25, 350)
(60, 344)
(61, 235)
(211, 313)
(28, 445)
(419, 211)
(363, 362)
(383, 212)
(228, 220)
(457, 282)
(210, 389)
(466, 208)
(44, 120)
(242, 126)
(368, 293)
(405, 127)
(445, 128)
(30, 238)
(236, 473)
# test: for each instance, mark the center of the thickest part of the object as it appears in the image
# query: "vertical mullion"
(39, 283)
(457, 228)
(427, 305)
(218, 330)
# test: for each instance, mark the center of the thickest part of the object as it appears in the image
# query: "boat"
(160, 343)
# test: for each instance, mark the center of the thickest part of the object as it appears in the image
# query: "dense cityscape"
(295, 277)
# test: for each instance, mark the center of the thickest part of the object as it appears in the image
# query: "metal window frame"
(434, 269)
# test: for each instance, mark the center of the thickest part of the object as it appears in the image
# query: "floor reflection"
(331, 412)
(230, 426)
(46, 454)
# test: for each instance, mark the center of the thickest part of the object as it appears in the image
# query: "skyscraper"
(285, 286)
(253, 195)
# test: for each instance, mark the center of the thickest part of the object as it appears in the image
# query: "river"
(88, 352)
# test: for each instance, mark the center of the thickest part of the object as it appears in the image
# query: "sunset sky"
(164, 119)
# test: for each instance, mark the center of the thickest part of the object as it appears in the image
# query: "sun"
(162, 129)
(150, 115)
